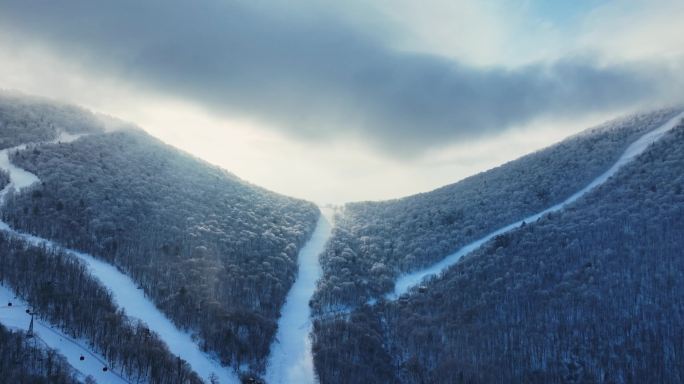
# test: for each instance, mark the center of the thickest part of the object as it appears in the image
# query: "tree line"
(25, 119)
(22, 361)
(374, 242)
(215, 253)
(589, 294)
(63, 293)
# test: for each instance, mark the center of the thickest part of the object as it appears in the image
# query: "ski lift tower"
(29, 333)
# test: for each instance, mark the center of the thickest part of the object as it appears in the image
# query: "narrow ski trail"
(124, 291)
(406, 282)
(291, 359)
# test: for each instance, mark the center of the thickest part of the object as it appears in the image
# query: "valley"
(73, 203)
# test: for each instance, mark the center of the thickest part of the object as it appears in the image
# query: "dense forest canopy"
(26, 119)
(374, 242)
(589, 294)
(24, 361)
(62, 292)
(215, 253)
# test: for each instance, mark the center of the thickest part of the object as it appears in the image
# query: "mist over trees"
(374, 242)
(592, 293)
(25, 119)
(62, 292)
(216, 254)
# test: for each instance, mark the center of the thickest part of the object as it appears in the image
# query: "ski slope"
(15, 317)
(124, 291)
(290, 360)
(20, 178)
(406, 282)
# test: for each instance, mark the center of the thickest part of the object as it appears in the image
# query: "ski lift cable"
(77, 344)
(81, 347)
(47, 327)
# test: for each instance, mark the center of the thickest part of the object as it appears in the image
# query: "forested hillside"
(62, 292)
(25, 119)
(591, 294)
(23, 361)
(215, 253)
(373, 242)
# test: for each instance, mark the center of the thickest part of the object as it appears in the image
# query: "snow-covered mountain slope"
(28, 119)
(364, 335)
(376, 242)
(125, 292)
(290, 359)
(13, 315)
(28, 360)
(19, 178)
(592, 293)
(411, 280)
(215, 254)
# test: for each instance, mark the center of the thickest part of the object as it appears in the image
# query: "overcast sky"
(353, 100)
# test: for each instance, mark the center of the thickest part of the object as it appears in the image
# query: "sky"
(354, 100)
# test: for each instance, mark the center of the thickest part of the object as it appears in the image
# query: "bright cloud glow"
(349, 166)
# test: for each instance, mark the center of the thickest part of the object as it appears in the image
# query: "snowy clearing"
(290, 360)
(406, 282)
(124, 291)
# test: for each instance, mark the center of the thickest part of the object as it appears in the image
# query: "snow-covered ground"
(290, 360)
(15, 317)
(406, 282)
(19, 178)
(124, 291)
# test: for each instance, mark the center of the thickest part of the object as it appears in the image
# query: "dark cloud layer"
(312, 75)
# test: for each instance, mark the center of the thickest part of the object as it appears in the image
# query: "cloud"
(313, 74)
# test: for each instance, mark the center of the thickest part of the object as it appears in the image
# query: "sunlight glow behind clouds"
(348, 168)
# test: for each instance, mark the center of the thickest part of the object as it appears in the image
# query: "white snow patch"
(15, 317)
(124, 291)
(19, 178)
(406, 282)
(290, 360)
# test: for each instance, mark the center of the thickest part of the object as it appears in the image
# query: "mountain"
(215, 254)
(136, 262)
(29, 119)
(375, 242)
(590, 293)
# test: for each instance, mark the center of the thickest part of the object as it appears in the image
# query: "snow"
(19, 178)
(406, 282)
(124, 291)
(15, 317)
(290, 360)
